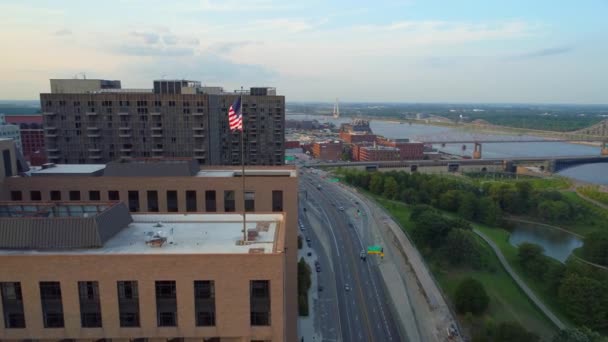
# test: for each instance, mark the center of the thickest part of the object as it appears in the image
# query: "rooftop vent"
(157, 239)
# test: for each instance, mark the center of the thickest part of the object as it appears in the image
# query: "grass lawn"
(501, 239)
(507, 302)
(593, 193)
(594, 219)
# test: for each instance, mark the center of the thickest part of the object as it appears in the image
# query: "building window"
(94, 195)
(113, 195)
(90, 309)
(8, 170)
(128, 304)
(277, 200)
(229, 202)
(190, 200)
(52, 308)
(12, 305)
(35, 195)
(172, 205)
(210, 201)
(74, 195)
(259, 297)
(152, 201)
(204, 302)
(55, 195)
(133, 200)
(249, 201)
(16, 196)
(166, 304)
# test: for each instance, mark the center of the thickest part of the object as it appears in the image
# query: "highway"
(362, 304)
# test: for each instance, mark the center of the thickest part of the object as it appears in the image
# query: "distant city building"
(147, 249)
(407, 150)
(292, 144)
(32, 137)
(9, 131)
(357, 137)
(96, 121)
(357, 125)
(374, 152)
(327, 150)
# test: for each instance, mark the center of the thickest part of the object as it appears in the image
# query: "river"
(592, 173)
(556, 243)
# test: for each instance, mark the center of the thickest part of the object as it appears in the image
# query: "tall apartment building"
(32, 136)
(85, 124)
(9, 131)
(142, 248)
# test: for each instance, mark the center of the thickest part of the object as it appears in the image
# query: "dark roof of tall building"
(39, 225)
(152, 167)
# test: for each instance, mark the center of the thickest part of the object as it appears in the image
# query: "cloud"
(63, 32)
(170, 39)
(139, 50)
(237, 6)
(288, 25)
(227, 47)
(546, 52)
(208, 68)
(147, 37)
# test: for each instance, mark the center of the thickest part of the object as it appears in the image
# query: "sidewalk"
(306, 325)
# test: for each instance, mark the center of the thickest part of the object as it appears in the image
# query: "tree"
(460, 248)
(376, 184)
(449, 200)
(585, 299)
(524, 192)
(467, 208)
(531, 257)
(430, 229)
(418, 210)
(595, 248)
(471, 297)
(582, 334)
(391, 188)
(408, 196)
(553, 210)
(488, 211)
(513, 332)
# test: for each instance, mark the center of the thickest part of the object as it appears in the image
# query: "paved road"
(363, 310)
(520, 282)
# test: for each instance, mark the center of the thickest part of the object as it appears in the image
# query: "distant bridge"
(550, 164)
(478, 140)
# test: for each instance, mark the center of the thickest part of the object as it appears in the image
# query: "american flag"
(235, 116)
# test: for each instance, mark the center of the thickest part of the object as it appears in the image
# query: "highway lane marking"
(377, 295)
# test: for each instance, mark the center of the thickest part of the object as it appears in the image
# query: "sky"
(483, 51)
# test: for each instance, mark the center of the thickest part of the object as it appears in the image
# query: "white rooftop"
(185, 234)
(71, 168)
(248, 172)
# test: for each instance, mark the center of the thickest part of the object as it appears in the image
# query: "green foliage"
(471, 297)
(304, 283)
(595, 248)
(488, 212)
(582, 334)
(586, 299)
(419, 209)
(430, 229)
(594, 193)
(513, 332)
(553, 210)
(468, 206)
(391, 188)
(459, 248)
(376, 184)
(531, 258)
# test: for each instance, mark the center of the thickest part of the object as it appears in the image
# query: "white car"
(346, 287)
(341, 208)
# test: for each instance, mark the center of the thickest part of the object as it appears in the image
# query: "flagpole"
(243, 168)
